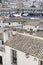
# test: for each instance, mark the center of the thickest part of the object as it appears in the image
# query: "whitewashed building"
(21, 49)
(24, 50)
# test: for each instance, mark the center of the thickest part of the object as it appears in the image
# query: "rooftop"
(36, 32)
(1, 17)
(28, 44)
(14, 19)
(27, 21)
(5, 9)
(33, 22)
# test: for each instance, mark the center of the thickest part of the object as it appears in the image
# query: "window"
(0, 59)
(14, 57)
(14, 29)
(1, 42)
(41, 63)
(19, 22)
(9, 23)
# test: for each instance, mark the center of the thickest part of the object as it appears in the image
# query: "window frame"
(14, 56)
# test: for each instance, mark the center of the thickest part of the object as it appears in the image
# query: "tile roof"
(5, 9)
(41, 24)
(33, 22)
(39, 33)
(1, 17)
(26, 21)
(28, 44)
(14, 19)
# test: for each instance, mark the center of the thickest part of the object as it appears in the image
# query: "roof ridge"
(37, 37)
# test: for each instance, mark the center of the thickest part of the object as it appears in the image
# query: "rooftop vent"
(14, 33)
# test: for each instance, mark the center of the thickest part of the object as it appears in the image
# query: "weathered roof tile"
(27, 44)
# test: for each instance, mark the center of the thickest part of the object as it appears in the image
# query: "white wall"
(22, 60)
(1, 23)
(5, 36)
(28, 27)
(15, 24)
(2, 54)
(6, 58)
(5, 24)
